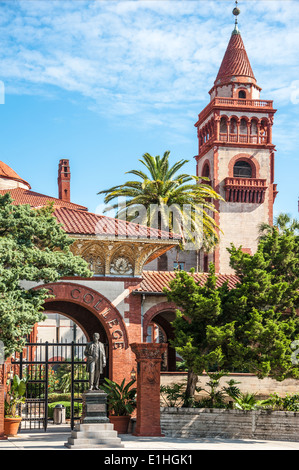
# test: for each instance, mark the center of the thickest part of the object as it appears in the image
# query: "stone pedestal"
(95, 429)
(148, 358)
(94, 407)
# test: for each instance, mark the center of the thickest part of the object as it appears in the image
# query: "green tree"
(265, 303)
(251, 326)
(34, 248)
(160, 189)
(200, 311)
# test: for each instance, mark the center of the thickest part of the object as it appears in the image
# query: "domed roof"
(7, 173)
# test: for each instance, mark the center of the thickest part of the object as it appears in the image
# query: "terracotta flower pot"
(120, 423)
(11, 426)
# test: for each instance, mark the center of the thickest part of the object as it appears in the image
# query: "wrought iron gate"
(42, 364)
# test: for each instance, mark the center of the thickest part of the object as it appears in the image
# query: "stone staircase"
(99, 435)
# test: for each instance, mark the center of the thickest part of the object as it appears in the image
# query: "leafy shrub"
(58, 397)
(287, 403)
(173, 395)
(67, 405)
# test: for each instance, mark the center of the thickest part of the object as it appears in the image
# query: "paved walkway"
(56, 436)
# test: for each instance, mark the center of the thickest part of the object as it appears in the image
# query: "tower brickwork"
(64, 180)
(235, 150)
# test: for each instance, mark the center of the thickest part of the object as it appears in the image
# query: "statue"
(96, 361)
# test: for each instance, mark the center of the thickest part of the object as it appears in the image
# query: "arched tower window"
(242, 94)
(206, 171)
(242, 169)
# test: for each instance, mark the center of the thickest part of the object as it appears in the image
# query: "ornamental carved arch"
(94, 256)
(85, 306)
(122, 261)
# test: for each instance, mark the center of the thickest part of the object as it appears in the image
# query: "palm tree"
(283, 222)
(166, 200)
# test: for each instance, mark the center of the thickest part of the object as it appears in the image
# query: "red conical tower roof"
(235, 63)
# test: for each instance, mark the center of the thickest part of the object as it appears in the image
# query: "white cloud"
(135, 58)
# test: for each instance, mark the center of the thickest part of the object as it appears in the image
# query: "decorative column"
(148, 358)
(2, 380)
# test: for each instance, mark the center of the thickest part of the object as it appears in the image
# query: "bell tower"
(236, 152)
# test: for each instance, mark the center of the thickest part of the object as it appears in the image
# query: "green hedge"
(67, 405)
(56, 397)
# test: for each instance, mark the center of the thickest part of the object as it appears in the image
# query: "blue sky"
(102, 82)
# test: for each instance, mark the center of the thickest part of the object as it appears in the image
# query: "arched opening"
(223, 129)
(242, 169)
(206, 171)
(242, 94)
(233, 130)
(159, 330)
(243, 137)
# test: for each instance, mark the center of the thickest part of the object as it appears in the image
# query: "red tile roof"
(25, 196)
(76, 220)
(154, 281)
(87, 223)
(9, 173)
(235, 62)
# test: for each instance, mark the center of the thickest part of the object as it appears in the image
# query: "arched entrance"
(93, 313)
(157, 329)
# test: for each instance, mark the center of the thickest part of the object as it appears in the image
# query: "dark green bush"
(67, 405)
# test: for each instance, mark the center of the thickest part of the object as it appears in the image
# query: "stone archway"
(93, 313)
(162, 314)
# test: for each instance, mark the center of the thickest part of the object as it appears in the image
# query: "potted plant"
(121, 400)
(15, 396)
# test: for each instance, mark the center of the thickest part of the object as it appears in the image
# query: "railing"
(243, 102)
(243, 138)
(237, 103)
(246, 182)
(248, 190)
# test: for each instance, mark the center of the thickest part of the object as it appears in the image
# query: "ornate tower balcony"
(250, 190)
(229, 122)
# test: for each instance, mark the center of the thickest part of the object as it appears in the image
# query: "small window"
(242, 94)
(180, 266)
(242, 170)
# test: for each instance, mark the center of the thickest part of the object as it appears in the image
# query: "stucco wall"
(229, 424)
(248, 383)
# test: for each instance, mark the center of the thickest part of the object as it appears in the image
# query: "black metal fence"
(53, 370)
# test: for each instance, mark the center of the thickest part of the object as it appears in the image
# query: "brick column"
(148, 358)
(2, 374)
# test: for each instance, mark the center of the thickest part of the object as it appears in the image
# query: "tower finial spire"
(236, 12)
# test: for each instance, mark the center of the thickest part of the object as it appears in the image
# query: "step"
(94, 434)
(92, 446)
(94, 427)
(95, 442)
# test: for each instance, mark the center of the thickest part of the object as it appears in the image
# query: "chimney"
(64, 178)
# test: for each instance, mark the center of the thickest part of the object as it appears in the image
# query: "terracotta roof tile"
(154, 281)
(75, 219)
(25, 196)
(235, 61)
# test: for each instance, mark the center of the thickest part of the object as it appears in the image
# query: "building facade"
(124, 300)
